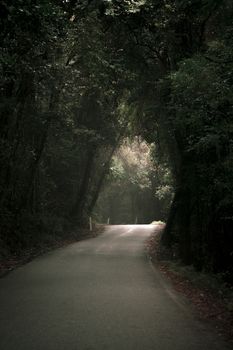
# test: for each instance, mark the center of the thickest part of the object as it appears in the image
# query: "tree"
(137, 189)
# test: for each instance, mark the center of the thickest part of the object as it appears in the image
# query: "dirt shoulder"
(210, 296)
(10, 261)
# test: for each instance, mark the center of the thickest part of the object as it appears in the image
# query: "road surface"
(98, 294)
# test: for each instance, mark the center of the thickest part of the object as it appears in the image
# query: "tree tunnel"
(137, 189)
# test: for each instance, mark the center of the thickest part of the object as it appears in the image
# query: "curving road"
(98, 294)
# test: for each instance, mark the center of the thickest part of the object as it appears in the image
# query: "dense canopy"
(81, 78)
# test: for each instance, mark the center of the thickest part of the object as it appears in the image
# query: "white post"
(136, 220)
(108, 221)
(90, 222)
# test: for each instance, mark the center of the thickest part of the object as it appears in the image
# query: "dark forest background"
(81, 83)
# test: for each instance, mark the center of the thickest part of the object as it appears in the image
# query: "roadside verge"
(11, 260)
(211, 298)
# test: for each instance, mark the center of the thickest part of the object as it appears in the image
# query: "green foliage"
(200, 105)
(137, 188)
(183, 103)
(60, 117)
(77, 77)
(202, 101)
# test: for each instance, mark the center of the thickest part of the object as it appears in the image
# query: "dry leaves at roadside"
(209, 306)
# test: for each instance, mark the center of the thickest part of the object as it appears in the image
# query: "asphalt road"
(98, 294)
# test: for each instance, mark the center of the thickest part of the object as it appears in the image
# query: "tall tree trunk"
(78, 208)
(12, 136)
(101, 180)
(167, 237)
(39, 152)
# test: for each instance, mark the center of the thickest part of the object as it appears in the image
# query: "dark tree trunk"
(77, 212)
(25, 199)
(99, 185)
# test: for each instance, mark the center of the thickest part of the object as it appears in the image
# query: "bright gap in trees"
(138, 188)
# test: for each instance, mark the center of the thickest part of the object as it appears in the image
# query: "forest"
(119, 110)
